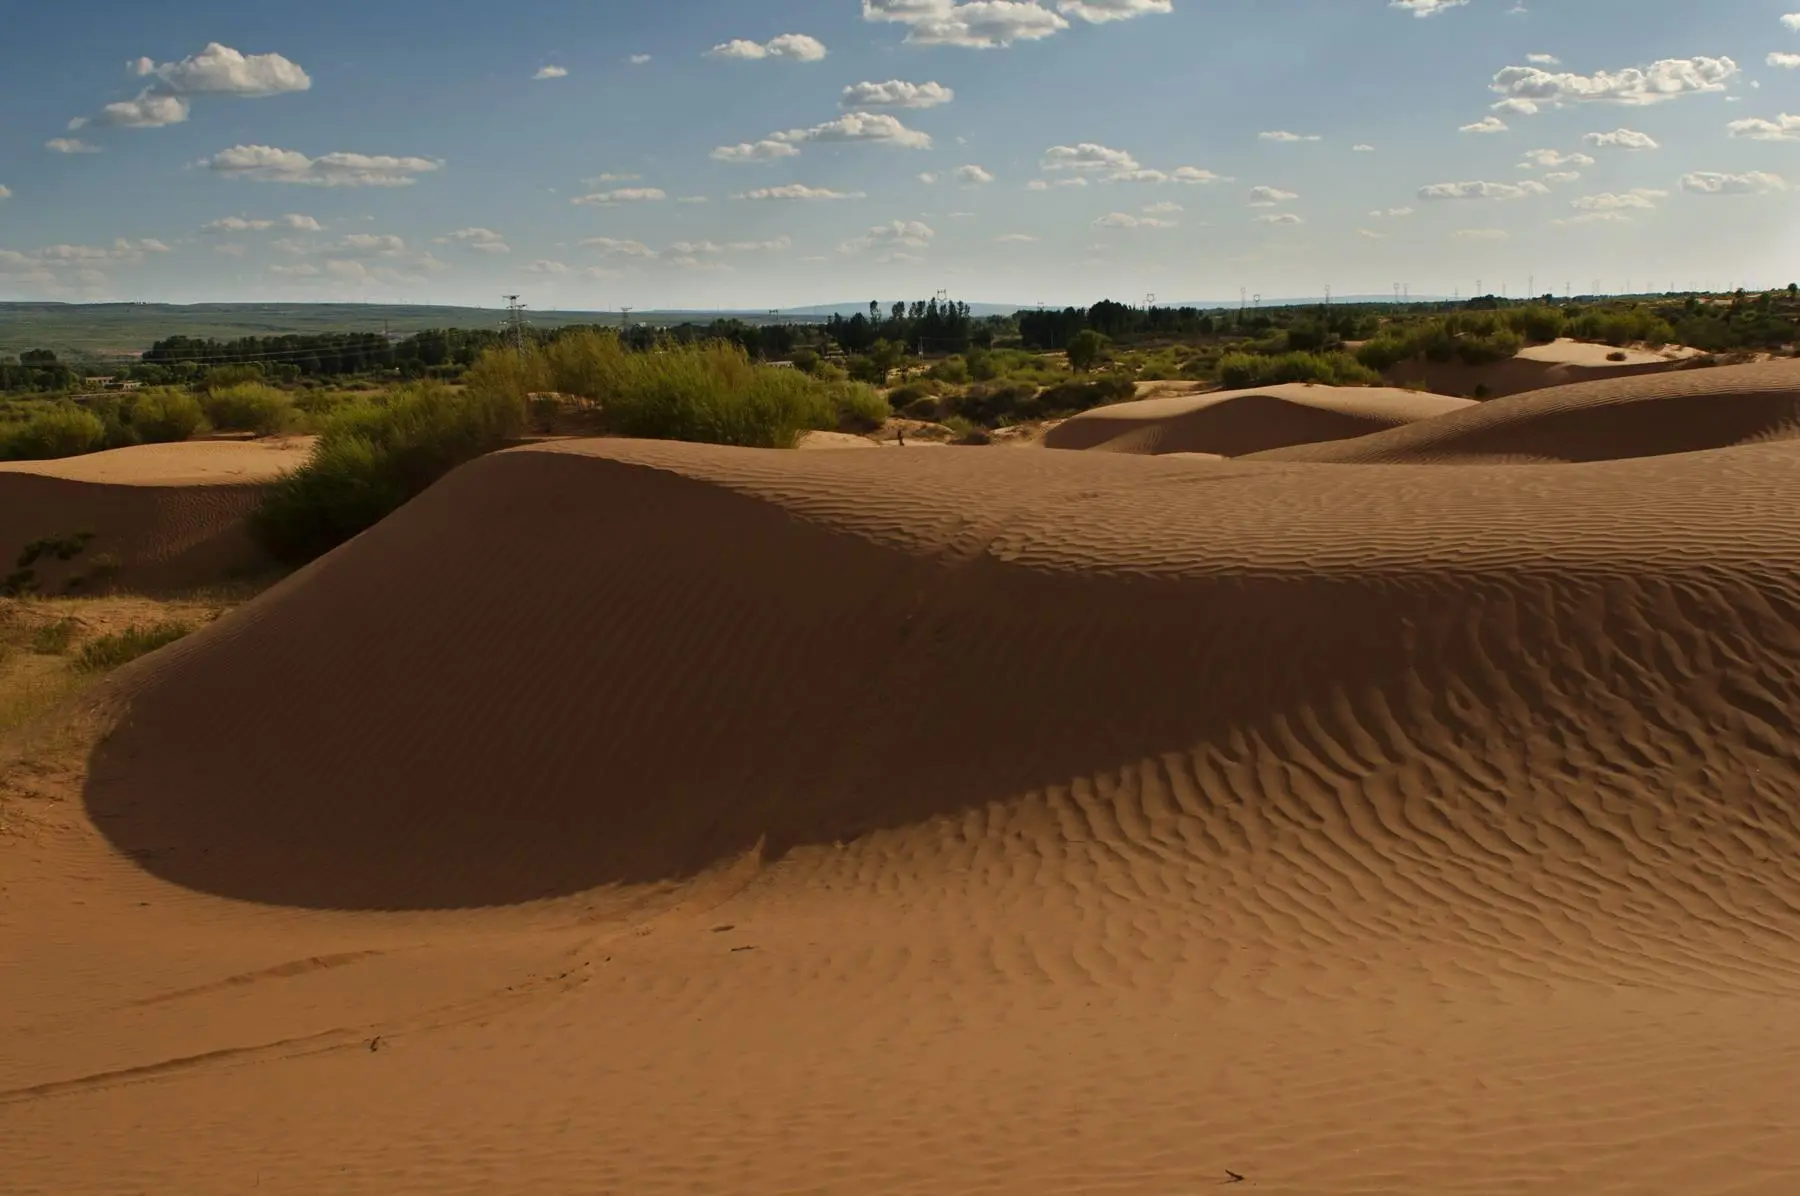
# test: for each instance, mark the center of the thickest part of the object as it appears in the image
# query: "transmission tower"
(515, 317)
(624, 317)
(1149, 300)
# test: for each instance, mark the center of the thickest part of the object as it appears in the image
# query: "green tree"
(1086, 349)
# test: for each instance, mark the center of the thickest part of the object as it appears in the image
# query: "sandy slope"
(1231, 423)
(1594, 421)
(658, 818)
(170, 515)
(1535, 367)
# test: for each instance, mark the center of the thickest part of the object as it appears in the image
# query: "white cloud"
(231, 250)
(798, 191)
(1605, 216)
(1543, 60)
(1754, 182)
(1627, 139)
(1480, 234)
(1193, 174)
(1362, 148)
(1792, 21)
(266, 164)
(608, 199)
(220, 70)
(70, 145)
(1665, 79)
(1371, 234)
(1426, 8)
(1282, 135)
(1481, 190)
(973, 176)
(1562, 176)
(1016, 239)
(481, 240)
(1127, 220)
(1087, 157)
(149, 110)
(1782, 58)
(303, 270)
(895, 93)
(797, 46)
(236, 224)
(928, 178)
(755, 151)
(609, 177)
(1785, 127)
(552, 72)
(545, 266)
(911, 234)
(613, 247)
(638, 59)
(981, 24)
(375, 244)
(1279, 218)
(1099, 12)
(1391, 213)
(1549, 159)
(1163, 208)
(1515, 107)
(1642, 198)
(1488, 124)
(877, 127)
(5, 192)
(1268, 197)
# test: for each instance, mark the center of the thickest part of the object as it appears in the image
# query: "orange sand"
(653, 818)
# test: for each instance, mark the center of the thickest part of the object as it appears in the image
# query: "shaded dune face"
(1681, 412)
(1235, 423)
(1413, 699)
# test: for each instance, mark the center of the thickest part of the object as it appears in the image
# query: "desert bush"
(989, 403)
(925, 407)
(954, 370)
(1238, 371)
(61, 430)
(1617, 355)
(111, 651)
(1622, 327)
(161, 416)
(860, 408)
(1086, 349)
(806, 360)
(224, 377)
(1067, 398)
(1537, 323)
(249, 407)
(371, 459)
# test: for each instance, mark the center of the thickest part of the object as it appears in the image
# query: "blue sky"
(766, 153)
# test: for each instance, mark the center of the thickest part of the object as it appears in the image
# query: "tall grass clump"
(249, 407)
(162, 416)
(1240, 371)
(371, 459)
(110, 651)
(62, 430)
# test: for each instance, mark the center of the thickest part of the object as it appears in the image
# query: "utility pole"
(1327, 294)
(1531, 286)
(1396, 293)
(1149, 300)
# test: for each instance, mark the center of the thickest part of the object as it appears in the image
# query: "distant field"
(126, 329)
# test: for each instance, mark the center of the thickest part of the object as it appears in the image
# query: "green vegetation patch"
(108, 652)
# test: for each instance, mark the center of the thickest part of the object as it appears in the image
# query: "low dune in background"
(1593, 421)
(1231, 423)
(1535, 367)
(660, 818)
(170, 516)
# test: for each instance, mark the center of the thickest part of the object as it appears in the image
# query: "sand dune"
(1232, 423)
(1606, 420)
(162, 516)
(1535, 367)
(662, 818)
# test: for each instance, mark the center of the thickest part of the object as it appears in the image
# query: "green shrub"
(1240, 371)
(954, 370)
(111, 651)
(53, 639)
(990, 403)
(860, 408)
(371, 459)
(64, 430)
(160, 416)
(1086, 349)
(224, 377)
(806, 360)
(1622, 327)
(1067, 398)
(249, 407)
(1537, 323)
(925, 407)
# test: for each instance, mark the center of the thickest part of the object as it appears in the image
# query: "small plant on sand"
(1617, 355)
(53, 639)
(110, 651)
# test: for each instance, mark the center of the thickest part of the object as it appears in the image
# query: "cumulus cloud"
(608, 199)
(1562, 176)
(1127, 220)
(765, 150)
(1488, 124)
(215, 70)
(1627, 139)
(1782, 58)
(1268, 197)
(480, 240)
(371, 244)
(614, 247)
(910, 234)
(638, 59)
(1015, 238)
(1642, 198)
(149, 110)
(1087, 157)
(1426, 8)
(266, 164)
(236, 224)
(1549, 159)
(1279, 218)
(1480, 234)
(895, 93)
(552, 72)
(1193, 174)
(1362, 148)
(1754, 182)
(1543, 60)
(1785, 127)
(980, 24)
(1282, 135)
(1482, 190)
(798, 191)
(1099, 12)
(1665, 79)
(546, 266)
(797, 46)
(1391, 213)
(70, 145)
(1604, 216)
(1792, 21)
(973, 176)
(1163, 208)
